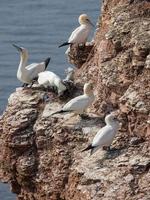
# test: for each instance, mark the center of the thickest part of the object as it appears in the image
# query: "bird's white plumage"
(79, 104)
(70, 74)
(38, 66)
(48, 78)
(26, 73)
(31, 72)
(81, 33)
(105, 135)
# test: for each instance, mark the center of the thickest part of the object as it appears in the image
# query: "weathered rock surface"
(40, 155)
(119, 64)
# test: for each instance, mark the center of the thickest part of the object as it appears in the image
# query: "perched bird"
(70, 73)
(27, 74)
(50, 79)
(78, 105)
(80, 34)
(105, 135)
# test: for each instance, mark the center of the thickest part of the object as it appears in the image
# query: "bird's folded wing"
(38, 66)
(103, 137)
(35, 68)
(78, 103)
(32, 66)
(77, 34)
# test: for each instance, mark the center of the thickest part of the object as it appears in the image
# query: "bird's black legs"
(54, 88)
(33, 81)
(30, 86)
(25, 85)
(84, 116)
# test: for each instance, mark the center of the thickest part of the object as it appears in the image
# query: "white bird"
(28, 73)
(70, 74)
(50, 79)
(78, 105)
(80, 34)
(105, 135)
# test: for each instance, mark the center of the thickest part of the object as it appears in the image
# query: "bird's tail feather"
(47, 62)
(64, 44)
(60, 111)
(88, 148)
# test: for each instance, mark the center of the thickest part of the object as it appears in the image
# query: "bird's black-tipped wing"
(47, 62)
(88, 148)
(64, 44)
(61, 111)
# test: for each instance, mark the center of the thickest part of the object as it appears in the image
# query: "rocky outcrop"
(40, 155)
(119, 66)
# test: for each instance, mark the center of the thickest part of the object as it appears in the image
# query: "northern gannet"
(80, 34)
(70, 73)
(50, 79)
(78, 105)
(105, 135)
(28, 73)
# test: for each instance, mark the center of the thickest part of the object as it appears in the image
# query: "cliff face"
(120, 64)
(40, 155)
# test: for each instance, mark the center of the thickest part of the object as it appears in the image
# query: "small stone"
(136, 140)
(140, 162)
(129, 178)
(147, 66)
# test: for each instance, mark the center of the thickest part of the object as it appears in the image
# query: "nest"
(79, 55)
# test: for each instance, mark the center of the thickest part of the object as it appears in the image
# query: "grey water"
(40, 26)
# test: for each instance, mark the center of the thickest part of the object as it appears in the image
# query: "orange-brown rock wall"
(119, 66)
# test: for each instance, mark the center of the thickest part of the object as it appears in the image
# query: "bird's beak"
(18, 48)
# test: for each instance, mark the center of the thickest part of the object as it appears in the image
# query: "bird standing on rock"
(27, 74)
(80, 34)
(78, 105)
(50, 79)
(105, 135)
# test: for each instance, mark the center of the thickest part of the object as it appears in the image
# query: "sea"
(40, 26)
